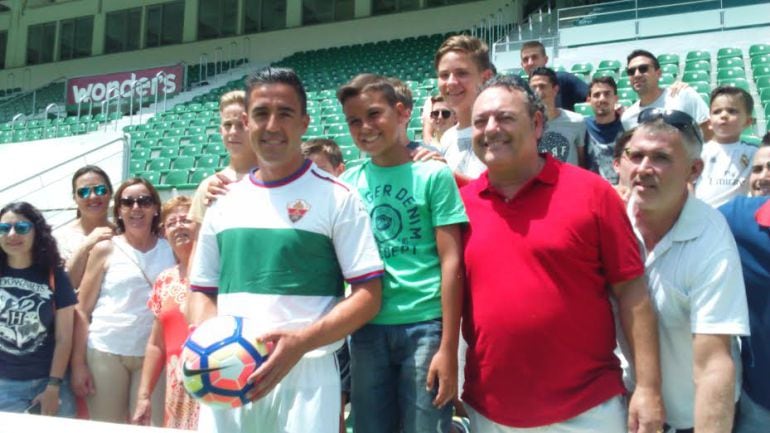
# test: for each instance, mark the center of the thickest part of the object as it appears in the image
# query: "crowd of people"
(523, 269)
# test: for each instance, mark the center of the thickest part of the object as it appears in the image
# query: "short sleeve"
(64, 293)
(197, 206)
(204, 273)
(717, 294)
(354, 241)
(618, 246)
(446, 205)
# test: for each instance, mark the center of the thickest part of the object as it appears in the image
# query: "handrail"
(29, 178)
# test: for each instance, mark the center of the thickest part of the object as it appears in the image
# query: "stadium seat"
(584, 108)
(700, 86)
(729, 63)
(668, 59)
(736, 82)
(670, 69)
(583, 69)
(349, 152)
(767, 111)
(628, 94)
(763, 59)
(208, 161)
(344, 140)
(605, 73)
(165, 151)
(136, 165)
(158, 164)
(729, 52)
(760, 71)
(152, 176)
(215, 138)
(337, 129)
(624, 83)
(759, 49)
(666, 80)
(612, 65)
(140, 154)
(763, 82)
(699, 65)
(315, 131)
(213, 149)
(199, 174)
(730, 74)
(691, 76)
(625, 102)
(174, 179)
(190, 149)
(183, 162)
(698, 55)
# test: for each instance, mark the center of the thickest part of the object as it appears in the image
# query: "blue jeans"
(17, 395)
(389, 369)
(752, 418)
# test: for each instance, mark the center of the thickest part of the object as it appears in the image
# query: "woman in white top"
(92, 192)
(116, 285)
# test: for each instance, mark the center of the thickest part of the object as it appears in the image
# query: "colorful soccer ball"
(218, 357)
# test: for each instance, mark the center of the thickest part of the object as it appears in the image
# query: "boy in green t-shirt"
(404, 362)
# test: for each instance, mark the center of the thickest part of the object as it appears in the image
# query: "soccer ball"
(218, 357)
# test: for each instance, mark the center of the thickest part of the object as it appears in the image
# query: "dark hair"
(45, 252)
(403, 93)
(644, 53)
(609, 81)
(272, 75)
(766, 139)
(545, 72)
(534, 44)
(621, 142)
(324, 146)
(90, 169)
(363, 83)
(737, 92)
(155, 199)
(514, 82)
(474, 47)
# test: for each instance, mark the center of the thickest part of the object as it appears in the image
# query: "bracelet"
(55, 381)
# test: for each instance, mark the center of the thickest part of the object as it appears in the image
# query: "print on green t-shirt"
(406, 204)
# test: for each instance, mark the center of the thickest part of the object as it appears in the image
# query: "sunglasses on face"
(643, 69)
(444, 114)
(20, 227)
(144, 201)
(86, 191)
(678, 119)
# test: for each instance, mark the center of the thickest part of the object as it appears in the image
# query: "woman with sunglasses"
(113, 298)
(92, 192)
(36, 316)
(168, 303)
(441, 119)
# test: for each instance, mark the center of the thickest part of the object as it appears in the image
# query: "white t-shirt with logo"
(726, 169)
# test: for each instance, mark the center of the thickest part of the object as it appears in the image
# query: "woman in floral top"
(168, 302)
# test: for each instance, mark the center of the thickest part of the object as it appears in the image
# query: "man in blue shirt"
(603, 128)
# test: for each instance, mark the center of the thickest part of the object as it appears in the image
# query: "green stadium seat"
(195, 130)
(605, 73)
(584, 108)
(136, 165)
(200, 174)
(764, 95)
(583, 69)
(152, 176)
(729, 52)
(705, 96)
(668, 59)
(349, 153)
(763, 59)
(215, 138)
(140, 154)
(700, 65)
(730, 62)
(730, 74)
(169, 142)
(736, 82)
(315, 131)
(208, 161)
(613, 65)
(700, 86)
(666, 80)
(190, 150)
(625, 102)
(174, 179)
(759, 49)
(185, 162)
(767, 111)
(213, 149)
(344, 140)
(760, 71)
(670, 69)
(198, 139)
(691, 76)
(334, 119)
(763, 82)
(337, 129)
(624, 83)
(159, 164)
(175, 132)
(628, 94)
(698, 55)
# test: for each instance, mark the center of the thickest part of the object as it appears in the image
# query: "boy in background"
(726, 159)
(404, 362)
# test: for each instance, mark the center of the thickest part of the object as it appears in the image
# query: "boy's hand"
(217, 187)
(443, 369)
(423, 154)
(286, 349)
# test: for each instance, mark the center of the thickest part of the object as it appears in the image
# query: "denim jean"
(751, 417)
(389, 367)
(17, 395)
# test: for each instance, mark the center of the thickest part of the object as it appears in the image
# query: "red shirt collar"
(547, 176)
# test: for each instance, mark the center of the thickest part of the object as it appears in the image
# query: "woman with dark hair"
(113, 296)
(92, 192)
(36, 316)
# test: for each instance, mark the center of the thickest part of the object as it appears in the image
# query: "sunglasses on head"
(678, 119)
(444, 114)
(86, 191)
(144, 201)
(20, 227)
(643, 69)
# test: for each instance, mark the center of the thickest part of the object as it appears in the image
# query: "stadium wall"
(262, 47)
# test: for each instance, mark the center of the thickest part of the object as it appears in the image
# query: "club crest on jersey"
(744, 160)
(297, 209)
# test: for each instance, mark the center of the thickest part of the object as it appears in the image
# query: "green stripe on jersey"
(278, 262)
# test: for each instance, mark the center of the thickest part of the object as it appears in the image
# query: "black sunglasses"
(85, 191)
(444, 114)
(643, 69)
(144, 201)
(20, 227)
(678, 119)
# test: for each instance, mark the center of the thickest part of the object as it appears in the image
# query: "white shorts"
(607, 417)
(306, 400)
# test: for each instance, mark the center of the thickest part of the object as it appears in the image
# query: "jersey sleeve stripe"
(329, 179)
(204, 289)
(365, 277)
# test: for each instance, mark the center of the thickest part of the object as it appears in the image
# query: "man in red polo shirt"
(548, 244)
